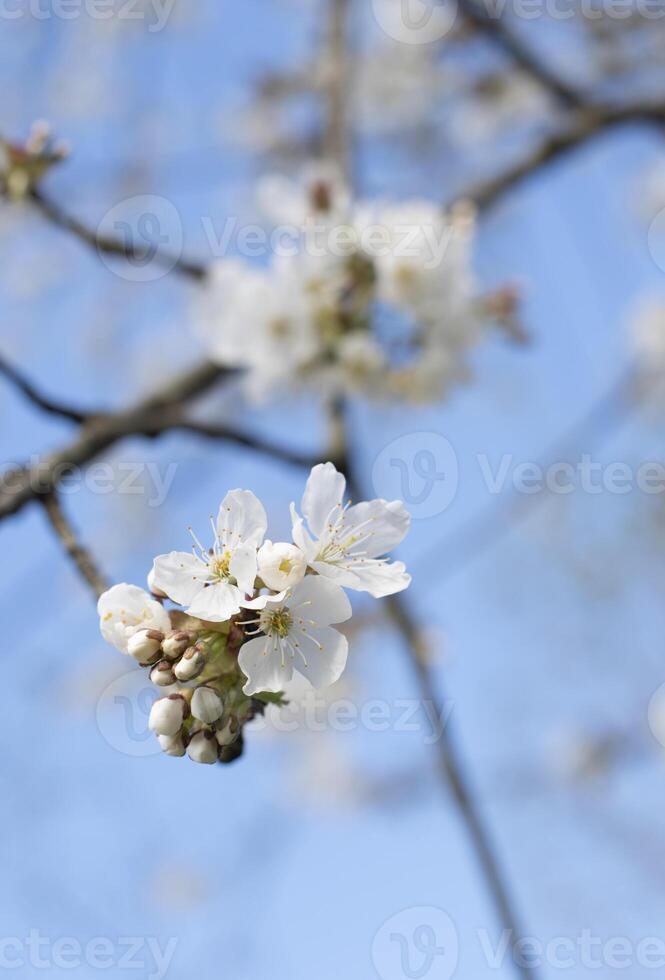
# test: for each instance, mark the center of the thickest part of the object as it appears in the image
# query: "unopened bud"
(190, 666)
(162, 674)
(176, 643)
(203, 748)
(228, 734)
(167, 715)
(207, 706)
(146, 646)
(172, 744)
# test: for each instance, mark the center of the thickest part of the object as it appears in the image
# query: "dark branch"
(497, 29)
(39, 400)
(20, 486)
(80, 555)
(108, 244)
(586, 127)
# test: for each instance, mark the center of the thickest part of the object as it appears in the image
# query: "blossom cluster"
(368, 296)
(250, 612)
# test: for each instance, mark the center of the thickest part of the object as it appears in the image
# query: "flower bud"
(191, 665)
(207, 706)
(172, 745)
(146, 646)
(176, 644)
(162, 674)
(167, 715)
(203, 748)
(228, 734)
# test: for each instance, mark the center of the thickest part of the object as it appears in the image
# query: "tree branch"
(486, 193)
(39, 400)
(108, 244)
(492, 24)
(79, 555)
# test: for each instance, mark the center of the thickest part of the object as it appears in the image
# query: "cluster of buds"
(252, 612)
(203, 710)
(23, 165)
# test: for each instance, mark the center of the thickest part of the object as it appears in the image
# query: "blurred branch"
(108, 244)
(586, 126)
(495, 27)
(39, 400)
(80, 555)
(22, 485)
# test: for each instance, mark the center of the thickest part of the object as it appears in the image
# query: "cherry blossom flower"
(281, 565)
(344, 542)
(296, 635)
(212, 583)
(124, 610)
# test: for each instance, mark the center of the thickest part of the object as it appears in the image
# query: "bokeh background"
(547, 642)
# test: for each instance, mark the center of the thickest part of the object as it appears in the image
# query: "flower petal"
(243, 567)
(241, 519)
(320, 600)
(261, 662)
(325, 652)
(181, 575)
(381, 524)
(322, 500)
(300, 536)
(123, 609)
(379, 578)
(217, 603)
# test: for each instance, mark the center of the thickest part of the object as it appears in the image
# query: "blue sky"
(288, 863)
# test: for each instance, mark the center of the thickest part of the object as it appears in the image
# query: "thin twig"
(587, 126)
(38, 399)
(109, 245)
(494, 25)
(81, 556)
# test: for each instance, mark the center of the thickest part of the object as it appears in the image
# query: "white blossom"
(211, 583)
(296, 635)
(145, 645)
(126, 609)
(281, 565)
(345, 542)
(172, 745)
